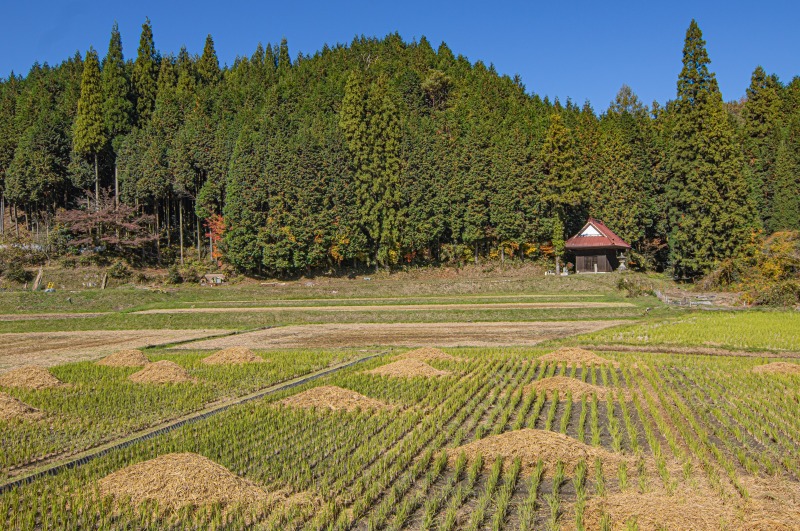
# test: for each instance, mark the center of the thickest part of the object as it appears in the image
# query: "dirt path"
(397, 307)
(53, 348)
(405, 334)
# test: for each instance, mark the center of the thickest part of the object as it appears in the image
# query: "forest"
(382, 153)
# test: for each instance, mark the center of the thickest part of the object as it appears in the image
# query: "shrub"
(119, 270)
(634, 287)
(16, 273)
(174, 275)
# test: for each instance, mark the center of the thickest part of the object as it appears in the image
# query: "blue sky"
(582, 50)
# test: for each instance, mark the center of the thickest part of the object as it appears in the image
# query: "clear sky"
(584, 50)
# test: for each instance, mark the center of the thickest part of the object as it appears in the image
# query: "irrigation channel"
(84, 457)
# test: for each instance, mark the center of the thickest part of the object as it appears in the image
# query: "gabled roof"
(595, 235)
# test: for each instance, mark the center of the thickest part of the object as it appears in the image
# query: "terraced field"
(644, 441)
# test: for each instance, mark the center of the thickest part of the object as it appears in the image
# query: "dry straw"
(565, 385)
(11, 408)
(777, 367)
(531, 445)
(159, 372)
(576, 357)
(334, 398)
(30, 377)
(233, 355)
(408, 368)
(428, 354)
(178, 480)
(125, 358)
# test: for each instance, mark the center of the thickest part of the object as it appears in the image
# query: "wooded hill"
(383, 152)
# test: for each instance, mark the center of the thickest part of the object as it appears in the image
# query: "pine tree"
(117, 107)
(284, 61)
(208, 65)
(89, 133)
(559, 184)
(786, 202)
(710, 211)
(761, 115)
(371, 127)
(145, 74)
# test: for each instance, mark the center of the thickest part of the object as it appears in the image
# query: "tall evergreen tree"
(145, 74)
(208, 64)
(786, 202)
(710, 210)
(559, 184)
(761, 115)
(89, 134)
(117, 107)
(371, 126)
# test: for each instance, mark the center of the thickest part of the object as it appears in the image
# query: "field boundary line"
(86, 456)
(205, 338)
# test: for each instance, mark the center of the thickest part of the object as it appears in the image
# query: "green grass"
(747, 330)
(101, 404)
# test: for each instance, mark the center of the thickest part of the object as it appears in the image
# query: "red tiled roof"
(607, 239)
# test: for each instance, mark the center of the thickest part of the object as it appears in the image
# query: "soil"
(334, 398)
(496, 334)
(565, 384)
(29, 377)
(777, 367)
(159, 372)
(396, 307)
(178, 480)
(11, 408)
(125, 358)
(233, 355)
(408, 368)
(55, 348)
(530, 445)
(427, 354)
(576, 356)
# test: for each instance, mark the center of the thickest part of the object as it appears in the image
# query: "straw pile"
(334, 398)
(531, 445)
(233, 355)
(777, 367)
(11, 408)
(686, 509)
(125, 358)
(408, 368)
(29, 377)
(178, 480)
(564, 385)
(576, 356)
(428, 354)
(163, 371)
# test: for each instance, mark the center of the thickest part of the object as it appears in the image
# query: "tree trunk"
(476, 253)
(2, 213)
(158, 237)
(16, 220)
(199, 239)
(180, 225)
(116, 186)
(96, 184)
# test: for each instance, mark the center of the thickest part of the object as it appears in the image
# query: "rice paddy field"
(673, 419)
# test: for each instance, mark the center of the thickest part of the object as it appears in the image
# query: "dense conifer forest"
(381, 153)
